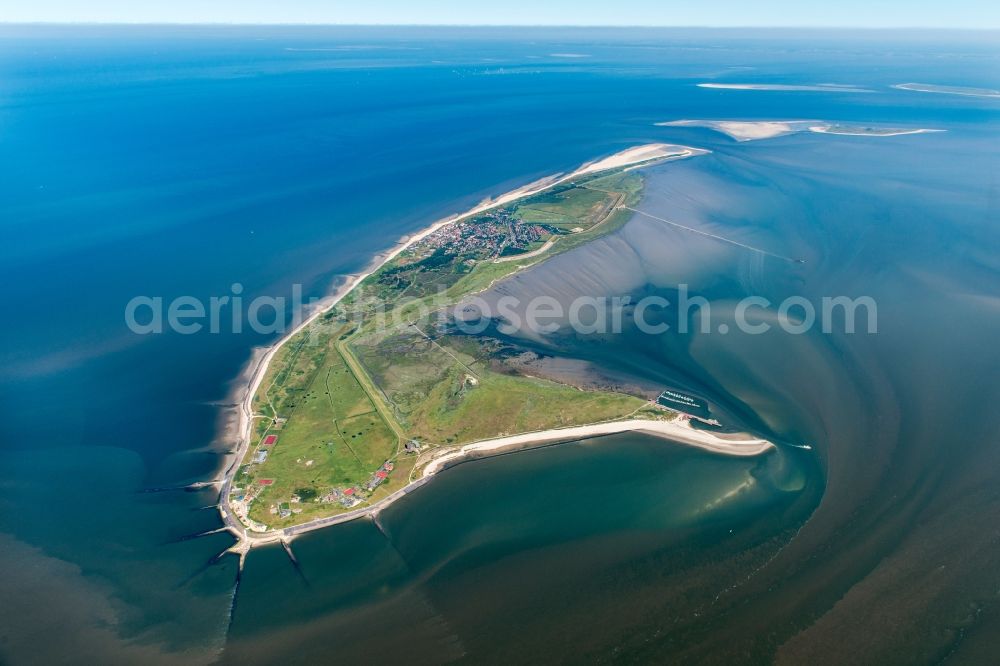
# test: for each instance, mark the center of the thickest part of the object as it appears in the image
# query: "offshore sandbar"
(965, 91)
(783, 87)
(754, 130)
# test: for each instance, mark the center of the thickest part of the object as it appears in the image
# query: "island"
(869, 130)
(372, 396)
(755, 130)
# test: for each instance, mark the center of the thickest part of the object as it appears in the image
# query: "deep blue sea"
(169, 161)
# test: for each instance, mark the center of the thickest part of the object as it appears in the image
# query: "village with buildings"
(493, 234)
(249, 488)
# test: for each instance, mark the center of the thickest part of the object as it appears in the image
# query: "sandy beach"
(632, 156)
(678, 430)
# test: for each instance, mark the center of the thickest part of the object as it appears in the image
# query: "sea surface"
(168, 161)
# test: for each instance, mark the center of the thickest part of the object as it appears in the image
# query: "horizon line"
(498, 25)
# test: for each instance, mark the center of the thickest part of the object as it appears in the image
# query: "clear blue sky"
(857, 13)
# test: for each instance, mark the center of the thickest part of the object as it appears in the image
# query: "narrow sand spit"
(678, 430)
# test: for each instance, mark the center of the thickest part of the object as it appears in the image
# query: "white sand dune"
(637, 155)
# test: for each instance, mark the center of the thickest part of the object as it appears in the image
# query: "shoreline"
(250, 378)
(677, 431)
(829, 129)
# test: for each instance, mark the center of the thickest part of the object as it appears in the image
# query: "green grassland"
(450, 390)
(332, 436)
(456, 412)
(345, 394)
(568, 208)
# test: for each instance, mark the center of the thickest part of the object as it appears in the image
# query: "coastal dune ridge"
(255, 370)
